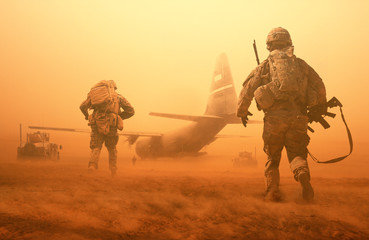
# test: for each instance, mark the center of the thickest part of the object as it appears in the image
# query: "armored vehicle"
(245, 159)
(38, 146)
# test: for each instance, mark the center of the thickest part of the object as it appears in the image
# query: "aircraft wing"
(61, 129)
(128, 134)
(183, 116)
(141, 134)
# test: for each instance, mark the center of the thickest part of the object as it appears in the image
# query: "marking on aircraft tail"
(218, 77)
(221, 88)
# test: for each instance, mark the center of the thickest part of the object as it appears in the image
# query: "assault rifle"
(315, 114)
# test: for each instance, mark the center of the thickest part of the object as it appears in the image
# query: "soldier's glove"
(245, 119)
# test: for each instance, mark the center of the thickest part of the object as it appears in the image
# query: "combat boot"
(92, 168)
(272, 192)
(94, 160)
(307, 189)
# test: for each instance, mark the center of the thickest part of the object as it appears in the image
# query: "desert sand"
(169, 199)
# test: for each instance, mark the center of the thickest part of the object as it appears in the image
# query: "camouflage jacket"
(261, 75)
(123, 103)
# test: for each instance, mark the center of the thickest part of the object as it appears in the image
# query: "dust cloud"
(161, 54)
(203, 198)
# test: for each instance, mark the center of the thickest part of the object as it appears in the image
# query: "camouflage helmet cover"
(279, 35)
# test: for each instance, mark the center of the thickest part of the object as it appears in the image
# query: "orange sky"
(162, 53)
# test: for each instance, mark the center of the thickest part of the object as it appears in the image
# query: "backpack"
(285, 71)
(102, 93)
(104, 100)
(287, 80)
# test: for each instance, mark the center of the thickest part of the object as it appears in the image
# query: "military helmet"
(278, 35)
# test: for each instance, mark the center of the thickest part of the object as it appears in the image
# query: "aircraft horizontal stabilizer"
(228, 119)
(184, 117)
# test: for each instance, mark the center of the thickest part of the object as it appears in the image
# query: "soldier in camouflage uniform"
(110, 137)
(284, 87)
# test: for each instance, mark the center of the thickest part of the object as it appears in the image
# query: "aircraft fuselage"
(188, 140)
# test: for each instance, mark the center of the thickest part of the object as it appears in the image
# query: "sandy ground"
(166, 200)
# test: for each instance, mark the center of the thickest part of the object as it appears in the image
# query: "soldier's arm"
(317, 85)
(317, 99)
(127, 107)
(85, 105)
(252, 82)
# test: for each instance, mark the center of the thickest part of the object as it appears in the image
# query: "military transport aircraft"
(203, 129)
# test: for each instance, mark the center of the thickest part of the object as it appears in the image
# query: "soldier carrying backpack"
(106, 119)
(284, 87)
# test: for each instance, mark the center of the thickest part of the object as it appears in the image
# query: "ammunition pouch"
(119, 123)
(104, 122)
(115, 121)
(91, 120)
(264, 96)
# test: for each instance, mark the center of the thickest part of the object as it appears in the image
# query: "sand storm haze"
(161, 54)
(60, 201)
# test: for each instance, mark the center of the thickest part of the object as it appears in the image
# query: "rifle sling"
(349, 138)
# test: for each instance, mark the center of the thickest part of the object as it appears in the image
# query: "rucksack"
(102, 93)
(287, 80)
(105, 101)
(285, 71)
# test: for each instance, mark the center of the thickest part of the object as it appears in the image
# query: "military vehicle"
(245, 159)
(38, 146)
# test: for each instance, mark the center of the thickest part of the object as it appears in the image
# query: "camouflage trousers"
(96, 142)
(289, 131)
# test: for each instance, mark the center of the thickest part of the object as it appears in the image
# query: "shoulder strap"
(349, 138)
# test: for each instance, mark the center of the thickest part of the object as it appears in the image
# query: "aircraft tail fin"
(222, 99)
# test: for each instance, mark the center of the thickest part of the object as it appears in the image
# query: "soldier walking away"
(284, 87)
(106, 119)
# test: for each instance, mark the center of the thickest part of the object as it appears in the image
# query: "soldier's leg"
(273, 137)
(297, 141)
(111, 141)
(96, 142)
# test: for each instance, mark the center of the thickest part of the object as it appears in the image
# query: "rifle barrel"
(256, 52)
